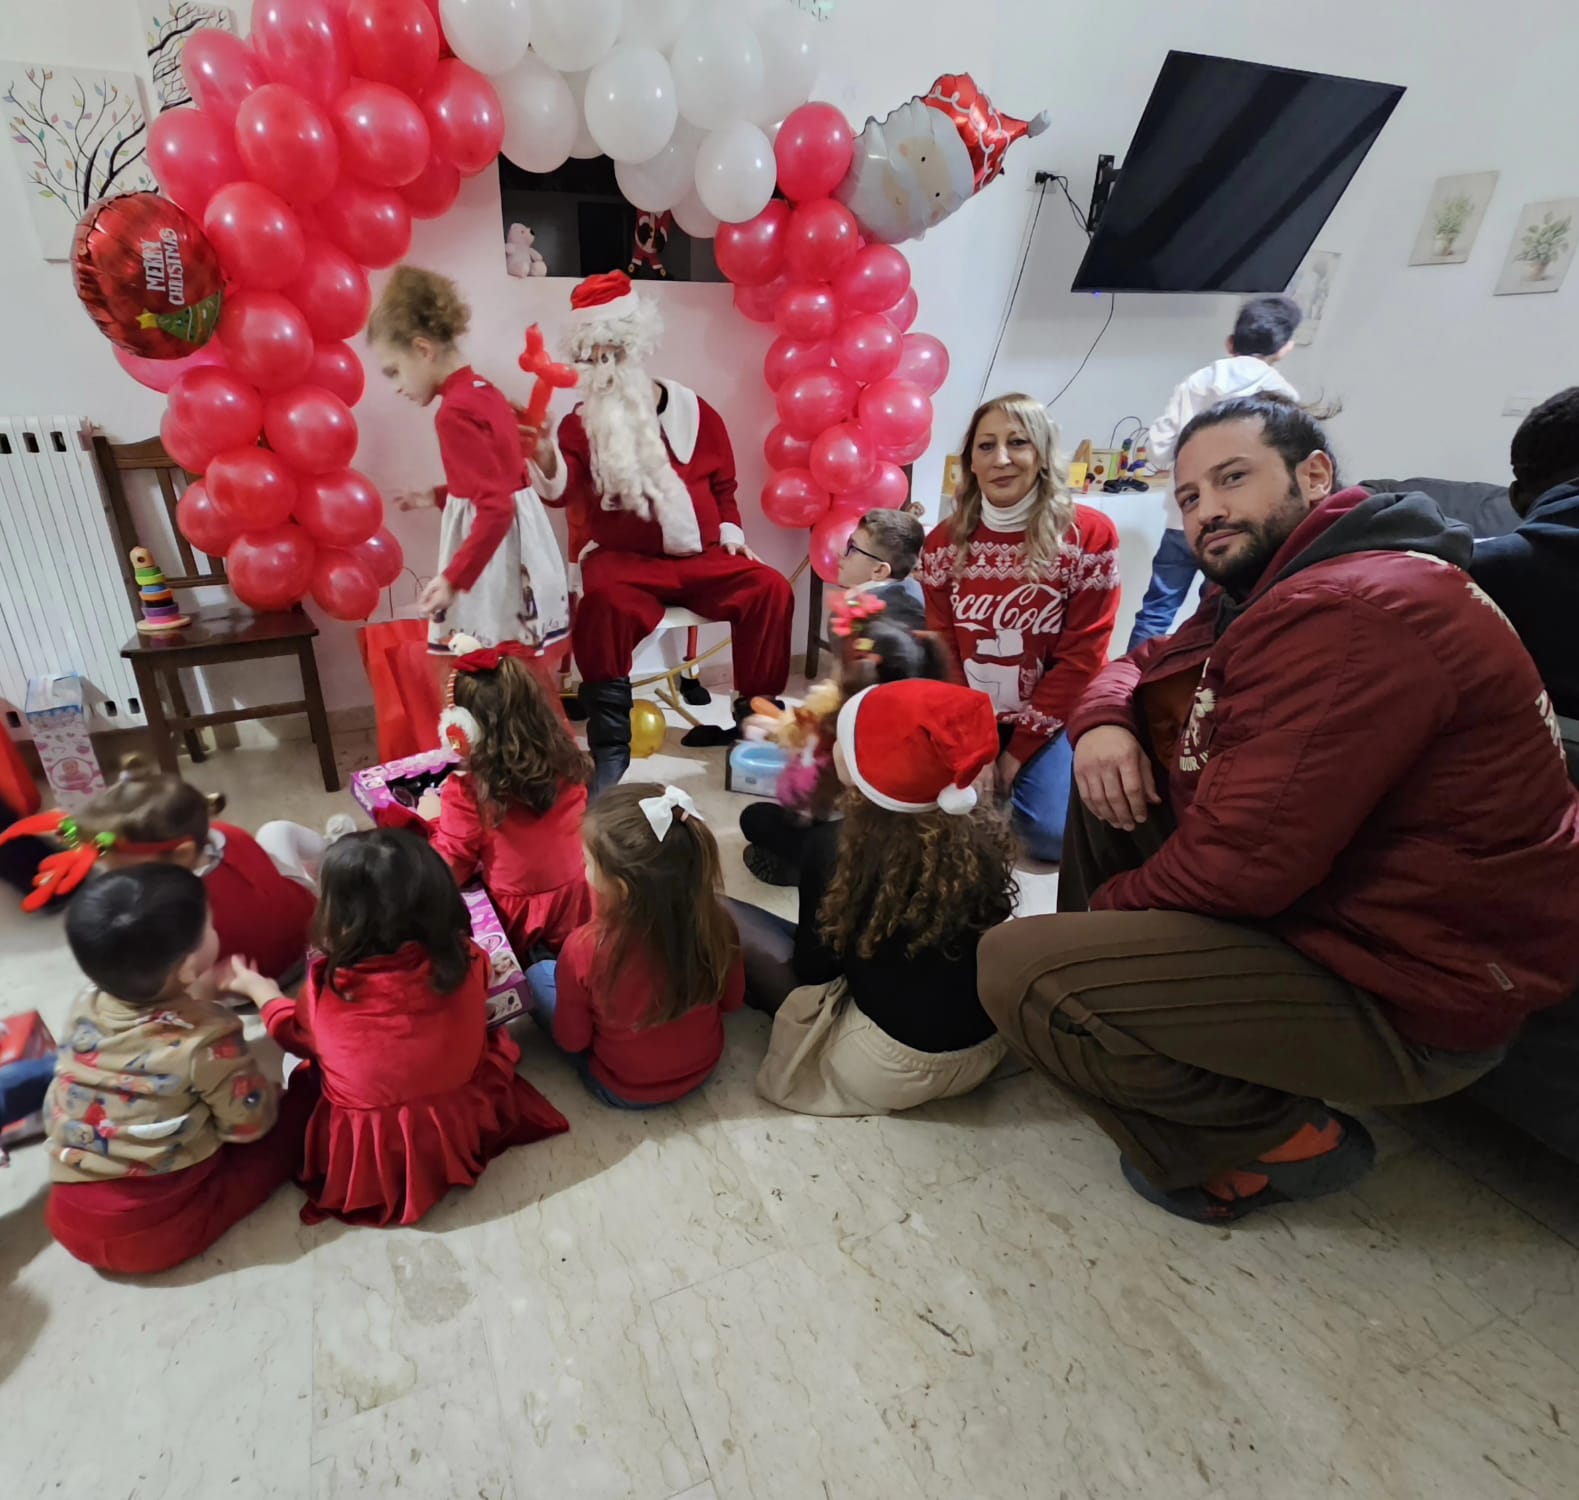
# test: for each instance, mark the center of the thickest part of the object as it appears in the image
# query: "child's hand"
(429, 806)
(416, 500)
(437, 595)
(236, 975)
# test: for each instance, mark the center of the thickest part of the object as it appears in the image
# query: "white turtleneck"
(1007, 517)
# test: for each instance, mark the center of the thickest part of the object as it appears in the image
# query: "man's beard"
(1239, 572)
(630, 464)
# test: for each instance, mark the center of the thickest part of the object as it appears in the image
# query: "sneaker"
(769, 868)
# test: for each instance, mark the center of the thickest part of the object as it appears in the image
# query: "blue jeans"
(1040, 802)
(23, 1086)
(1173, 570)
(542, 984)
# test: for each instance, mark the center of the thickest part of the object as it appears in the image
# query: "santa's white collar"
(680, 420)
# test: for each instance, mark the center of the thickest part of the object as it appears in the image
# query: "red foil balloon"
(829, 537)
(813, 149)
(433, 194)
(752, 253)
(792, 498)
(311, 429)
(371, 224)
(465, 117)
(843, 457)
(147, 275)
(787, 356)
(382, 556)
(336, 368)
(394, 42)
(342, 585)
(808, 311)
(814, 400)
(211, 410)
(202, 523)
(252, 488)
(271, 568)
(867, 346)
(821, 240)
(193, 156)
(339, 509)
(783, 450)
(875, 279)
(383, 135)
(258, 238)
(303, 43)
(888, 489)
(286, 143)
(220, 71)
(266, 339)
(331, 290)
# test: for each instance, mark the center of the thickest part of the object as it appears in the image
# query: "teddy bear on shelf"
(521, 257)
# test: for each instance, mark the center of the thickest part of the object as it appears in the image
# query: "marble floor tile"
(703, 1491)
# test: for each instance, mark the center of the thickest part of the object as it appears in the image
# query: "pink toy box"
(376, 788)
(58, 719)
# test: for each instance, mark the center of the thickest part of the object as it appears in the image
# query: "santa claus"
(646, 468)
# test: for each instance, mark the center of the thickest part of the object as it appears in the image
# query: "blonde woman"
(1023, 586)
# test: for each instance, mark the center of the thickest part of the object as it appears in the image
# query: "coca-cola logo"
(1031, 609)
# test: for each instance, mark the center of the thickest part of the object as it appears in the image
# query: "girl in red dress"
(512, 813)
(418, 1094)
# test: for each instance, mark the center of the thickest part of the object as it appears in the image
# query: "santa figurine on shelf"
(648, 465)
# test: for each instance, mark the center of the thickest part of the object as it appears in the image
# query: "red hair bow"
(489, 657)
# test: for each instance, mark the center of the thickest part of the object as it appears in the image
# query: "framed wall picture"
(166, 26)
(1452, 219)
(1542, 248)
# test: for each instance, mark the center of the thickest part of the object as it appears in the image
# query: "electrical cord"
(1008, 307)
(1113, 436)
(1112, 308)
(1074, 208)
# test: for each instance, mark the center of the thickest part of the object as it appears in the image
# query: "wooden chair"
(218, 634)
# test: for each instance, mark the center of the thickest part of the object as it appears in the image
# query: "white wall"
(1422, 358)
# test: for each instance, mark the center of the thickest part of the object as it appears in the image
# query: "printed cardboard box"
(55, 714)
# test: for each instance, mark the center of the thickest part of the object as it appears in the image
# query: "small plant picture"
(1543, 248)
(1452, 219)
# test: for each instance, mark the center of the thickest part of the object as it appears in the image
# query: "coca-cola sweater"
(1031, 644)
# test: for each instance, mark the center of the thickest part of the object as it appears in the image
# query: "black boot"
(694, 693)
(608, 707)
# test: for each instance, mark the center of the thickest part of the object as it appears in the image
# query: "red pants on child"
(624, 595)
(138, 1225)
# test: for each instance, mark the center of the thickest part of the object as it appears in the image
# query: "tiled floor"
(724, 1302)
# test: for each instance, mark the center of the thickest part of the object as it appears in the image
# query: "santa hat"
(607, 310)
(986, 131)
(914, 746)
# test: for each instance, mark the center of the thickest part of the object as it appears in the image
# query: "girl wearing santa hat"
(886, 1016)
(501, 576)
(1022, 584)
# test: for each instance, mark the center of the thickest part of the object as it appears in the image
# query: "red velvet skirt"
(548, 917)
(390, 1165)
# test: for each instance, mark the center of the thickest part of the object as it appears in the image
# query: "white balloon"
(630, 104)
(735, 172)
(584, 147)
(489, 35)
(540, 116)
(717, 68)
(666, 178)
(692, 215)
(788, 38)
(574, 34)
(654, 23)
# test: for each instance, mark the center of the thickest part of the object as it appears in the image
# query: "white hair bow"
(660, 810)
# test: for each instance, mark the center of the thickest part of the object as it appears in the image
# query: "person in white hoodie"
(1263, 334)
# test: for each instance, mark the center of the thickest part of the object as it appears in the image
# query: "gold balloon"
(648, 727)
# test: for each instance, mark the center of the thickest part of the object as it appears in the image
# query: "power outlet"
(1519, 406)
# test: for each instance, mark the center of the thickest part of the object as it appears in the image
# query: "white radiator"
(63, 606)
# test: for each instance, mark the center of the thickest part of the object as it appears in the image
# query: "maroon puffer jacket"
(1371, 771)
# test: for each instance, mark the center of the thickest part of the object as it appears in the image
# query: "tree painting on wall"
(167, 24)
(79, 134)
(1452, 219)
(1543, 246)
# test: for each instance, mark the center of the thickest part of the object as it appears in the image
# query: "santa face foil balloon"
(147, 275)
(914, 167)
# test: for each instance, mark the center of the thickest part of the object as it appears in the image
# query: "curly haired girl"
(886, 1016)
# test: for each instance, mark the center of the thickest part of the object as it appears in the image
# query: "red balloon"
(760, 303)
(821, 240)
(336, 368)
(381, 555)
(904, 453)
(792, 498)
(252, 489)
(383, 135)
(147, 276)
(815, 399)
(331, 290)
(786, 357)
(814, 149)
(807, 311)
(286, 143)
(783, 450)
(202, 523)
(464, 116)
(270, 568)
(394, 42)
(303, 43)
(895, 412)
(888, 489)
(339, 509)
(342, 586)
(266, 339)
(193, 156)
(312, 430)
(903, 313)
(211, 410)
(843, 457)
(752, 253)
(160, 374)
(867, 346)
(874, 280)
(220, 70)
(829, 537)
(258, 238)
(923, 361)
(432, 195)
(371, 224)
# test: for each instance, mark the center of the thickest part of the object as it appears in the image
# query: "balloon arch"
(311, 147)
